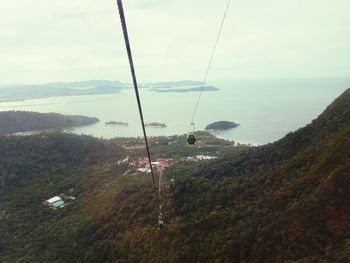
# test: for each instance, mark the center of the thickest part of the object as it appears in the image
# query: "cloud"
(43, 41)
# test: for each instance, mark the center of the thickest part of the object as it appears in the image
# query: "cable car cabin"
(160, 224)
(191, 139)
(160, 221)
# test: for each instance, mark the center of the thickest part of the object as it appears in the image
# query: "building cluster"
(199, 158)
(142, 164)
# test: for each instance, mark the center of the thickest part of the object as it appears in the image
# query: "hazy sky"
(67, 40)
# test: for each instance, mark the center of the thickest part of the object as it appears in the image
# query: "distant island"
(156, 124)
(25, 121)
(222, 125)
(89, 87)
(117, 123)
(172, 84)
(185, 90)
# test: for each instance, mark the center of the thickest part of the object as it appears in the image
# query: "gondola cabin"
(191, 139)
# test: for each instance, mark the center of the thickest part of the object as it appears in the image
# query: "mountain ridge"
(295, 188)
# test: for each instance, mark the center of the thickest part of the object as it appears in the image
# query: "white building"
(144, 170)
(205, 157)
(55, 202)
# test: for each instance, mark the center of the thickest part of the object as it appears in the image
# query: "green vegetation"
(22, 121)
(33, 169)
(222, 125)
(177, 146)
(282, 202)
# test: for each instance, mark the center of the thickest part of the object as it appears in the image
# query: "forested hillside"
(33, 169)
(22, 121)
(283, 202)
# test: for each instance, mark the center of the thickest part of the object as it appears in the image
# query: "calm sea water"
(266, 109)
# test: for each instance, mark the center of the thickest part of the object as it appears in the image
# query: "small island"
(156, 125)
(117, 123)
(222, 125)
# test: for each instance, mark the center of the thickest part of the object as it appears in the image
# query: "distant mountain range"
(180, 86)
(91, 87)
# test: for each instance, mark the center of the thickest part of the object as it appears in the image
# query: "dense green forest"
(283, 202)
(22, 121)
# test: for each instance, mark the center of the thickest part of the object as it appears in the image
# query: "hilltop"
(282, 202)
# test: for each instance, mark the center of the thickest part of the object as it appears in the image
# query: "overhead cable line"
(132, 68)
(209, 66)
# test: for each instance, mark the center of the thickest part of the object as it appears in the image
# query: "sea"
(266, 110)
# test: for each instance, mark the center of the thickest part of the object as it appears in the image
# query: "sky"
(70, 40)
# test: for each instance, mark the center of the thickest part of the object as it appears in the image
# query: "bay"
(265, 109)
